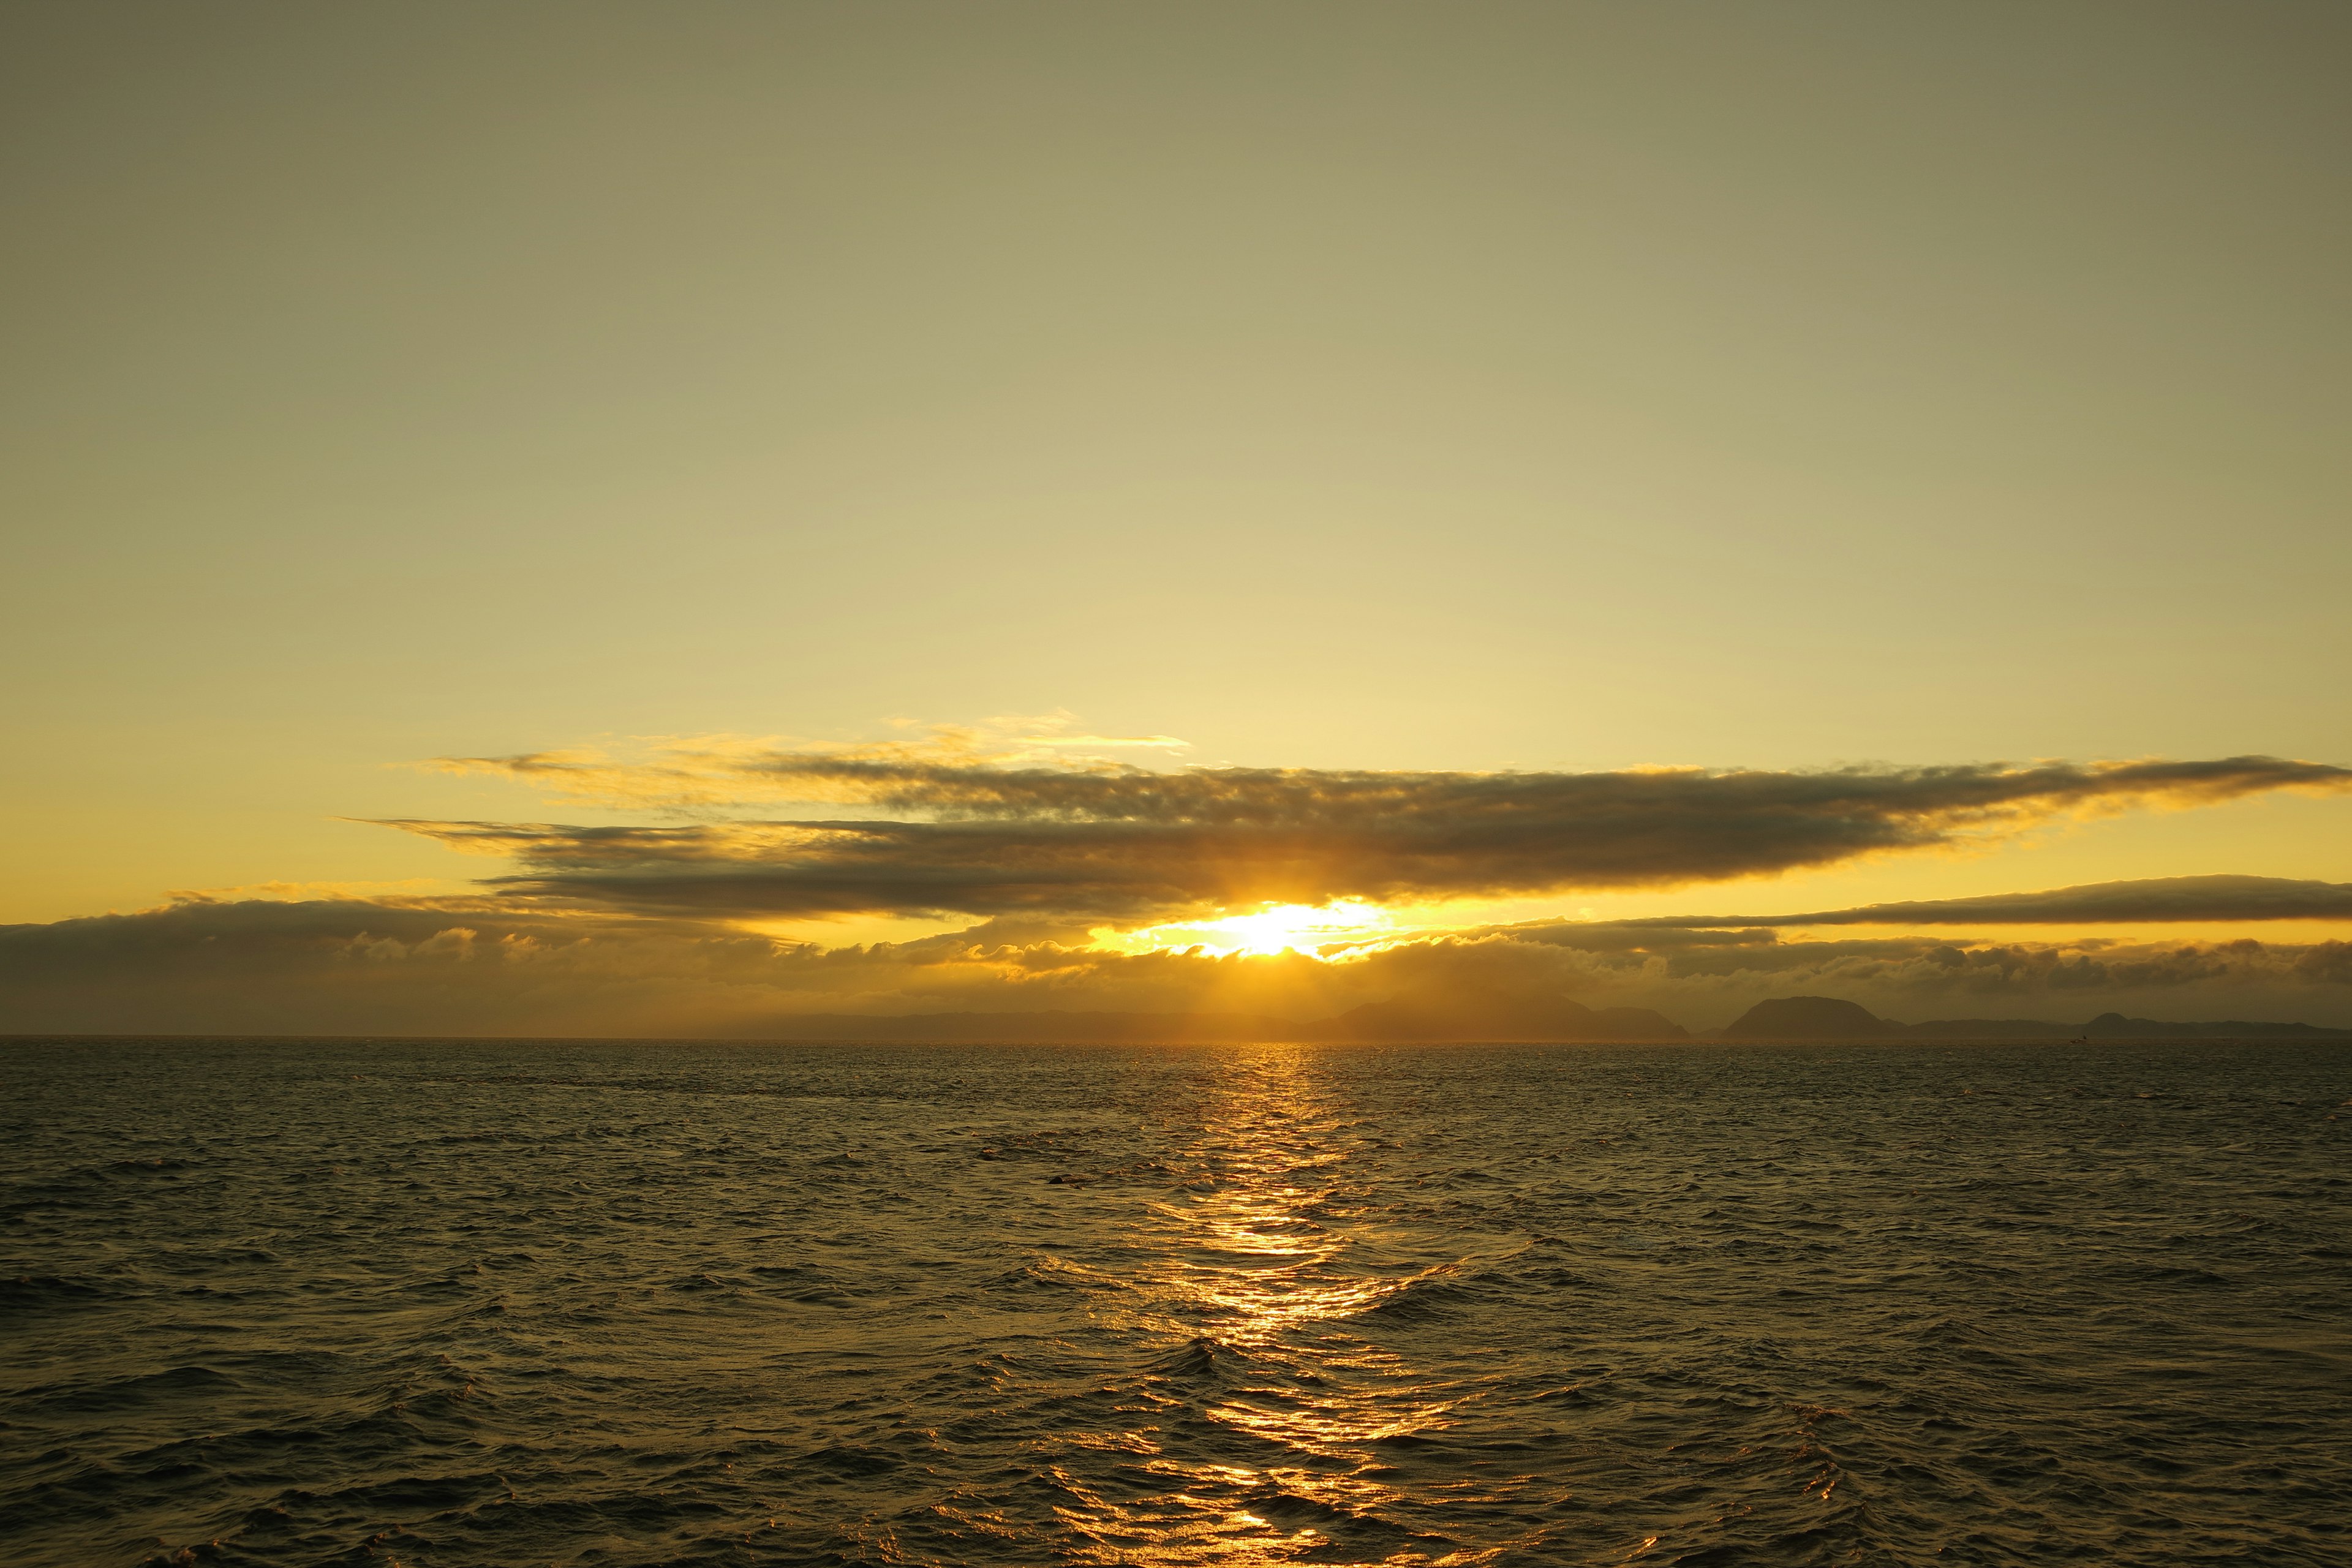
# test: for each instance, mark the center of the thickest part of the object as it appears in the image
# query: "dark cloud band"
(2152, 900)
(1126, 843)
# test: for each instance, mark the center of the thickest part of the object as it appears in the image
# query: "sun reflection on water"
(1253, 1279)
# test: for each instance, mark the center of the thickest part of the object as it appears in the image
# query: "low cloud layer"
(2206, 900)
(1109, 841)
(1038, 839)
(480, 968)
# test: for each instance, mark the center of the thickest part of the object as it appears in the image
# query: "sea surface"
(500, 1302)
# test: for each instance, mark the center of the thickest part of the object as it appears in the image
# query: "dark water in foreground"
(500, 1303)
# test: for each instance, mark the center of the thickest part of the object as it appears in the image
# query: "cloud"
(1038, 836)
(1100, 839)
(481, 967)
(694, 774)
(2156, 899)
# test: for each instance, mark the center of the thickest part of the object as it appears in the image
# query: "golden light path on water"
(468, 1303)
(1263, 1256)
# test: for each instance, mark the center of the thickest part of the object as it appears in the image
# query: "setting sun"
(1276, 929)
(1176, 785)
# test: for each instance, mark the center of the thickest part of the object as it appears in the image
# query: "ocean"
(494, 1303)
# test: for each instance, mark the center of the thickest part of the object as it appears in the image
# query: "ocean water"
(492, 1303)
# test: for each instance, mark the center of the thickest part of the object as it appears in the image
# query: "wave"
(615, 1302)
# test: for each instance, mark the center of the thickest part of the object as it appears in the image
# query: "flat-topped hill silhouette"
(1809, 1018)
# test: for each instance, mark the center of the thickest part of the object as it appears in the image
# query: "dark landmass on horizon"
(1778, 1019)
(1499, 1020)
(1830, 1017)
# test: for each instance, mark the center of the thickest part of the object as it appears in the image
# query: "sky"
(1470, 470)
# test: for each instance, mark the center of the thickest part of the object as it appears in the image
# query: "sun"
(1263, 932)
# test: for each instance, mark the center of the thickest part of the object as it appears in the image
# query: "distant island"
(1494, 1020)
(1833, 1018)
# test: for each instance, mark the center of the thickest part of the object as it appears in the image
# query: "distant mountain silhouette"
(2112, 1024)
(1809, 1018)
(1831, 1018)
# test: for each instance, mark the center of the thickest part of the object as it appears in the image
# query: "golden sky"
(1326, 430)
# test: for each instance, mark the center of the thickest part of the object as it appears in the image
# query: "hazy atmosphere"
(872, 511)
(1586, 462)
(1176, 785)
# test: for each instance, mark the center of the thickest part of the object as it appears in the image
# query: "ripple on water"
(294, 1304)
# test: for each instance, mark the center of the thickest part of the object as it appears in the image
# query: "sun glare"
(1276, 929)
